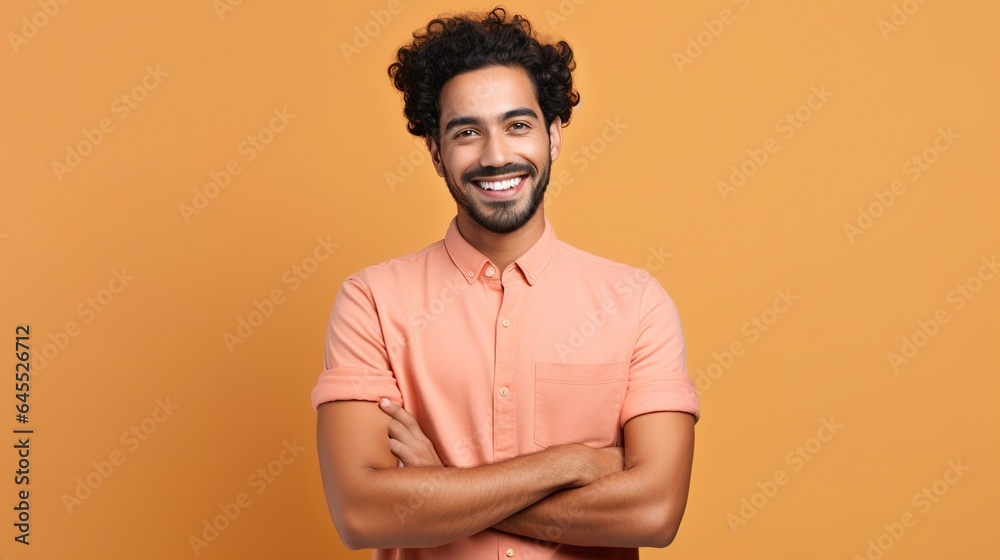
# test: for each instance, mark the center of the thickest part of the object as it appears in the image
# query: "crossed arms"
(571, 494)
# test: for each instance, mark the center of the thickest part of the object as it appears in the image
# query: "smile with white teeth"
(499, 185)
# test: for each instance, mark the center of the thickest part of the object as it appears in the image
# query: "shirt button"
(491, 272)
(509, 552)
(504, 391)
(505, 322)
(472, 274)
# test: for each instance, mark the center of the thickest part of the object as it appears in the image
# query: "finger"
(399, 413)
(399, 432)
(387, 406)
(415, 448)
(401, 451)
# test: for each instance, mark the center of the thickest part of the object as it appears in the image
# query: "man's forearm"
(423, 507)
(618, 510)
(639, 506)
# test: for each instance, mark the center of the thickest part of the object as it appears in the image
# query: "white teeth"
(499, 185)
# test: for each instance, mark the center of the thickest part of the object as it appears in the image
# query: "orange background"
(649, 187)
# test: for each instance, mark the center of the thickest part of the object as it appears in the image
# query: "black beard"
(504, 219)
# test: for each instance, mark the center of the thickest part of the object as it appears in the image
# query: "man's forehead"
(487, 92)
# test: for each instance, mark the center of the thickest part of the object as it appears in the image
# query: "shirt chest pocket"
(578, 403)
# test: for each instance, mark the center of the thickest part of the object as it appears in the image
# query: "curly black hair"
(450, 46)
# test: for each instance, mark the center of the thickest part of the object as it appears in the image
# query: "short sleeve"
(356, 365)
(658, 379)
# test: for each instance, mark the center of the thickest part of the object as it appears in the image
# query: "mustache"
(509, 169)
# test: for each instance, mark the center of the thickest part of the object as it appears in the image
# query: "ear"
(555, 138)
(432, 147)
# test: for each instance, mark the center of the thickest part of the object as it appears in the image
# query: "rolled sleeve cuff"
(354, 384)
(675, 393)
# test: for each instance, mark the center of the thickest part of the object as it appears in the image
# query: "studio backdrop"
(185, 185)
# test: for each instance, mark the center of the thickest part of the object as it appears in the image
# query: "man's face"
(494, 150)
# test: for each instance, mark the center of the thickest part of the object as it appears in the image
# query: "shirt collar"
(470, 261)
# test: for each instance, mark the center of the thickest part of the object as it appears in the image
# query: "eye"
(466, 133)
(520, 125)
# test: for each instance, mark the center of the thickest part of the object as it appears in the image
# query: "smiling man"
(501, 394)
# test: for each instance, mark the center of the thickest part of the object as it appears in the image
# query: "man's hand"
(406, 440)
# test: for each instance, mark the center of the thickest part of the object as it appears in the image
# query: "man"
(501, 394)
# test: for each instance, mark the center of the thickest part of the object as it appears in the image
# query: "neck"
(502, 248)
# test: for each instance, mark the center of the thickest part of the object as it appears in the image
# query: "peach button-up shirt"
(566, 348)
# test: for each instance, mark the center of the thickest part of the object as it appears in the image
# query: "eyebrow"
(513, 113)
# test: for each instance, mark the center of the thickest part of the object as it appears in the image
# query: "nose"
(496, 151)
